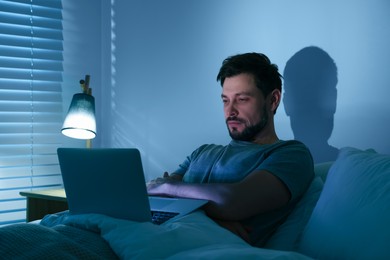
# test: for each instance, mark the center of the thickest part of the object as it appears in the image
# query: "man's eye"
(242, 99)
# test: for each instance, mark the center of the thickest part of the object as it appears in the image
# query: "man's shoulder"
(293, 150)
(208, 149)
(205, 147)
(290, 144)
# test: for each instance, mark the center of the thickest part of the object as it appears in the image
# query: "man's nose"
(231, 110)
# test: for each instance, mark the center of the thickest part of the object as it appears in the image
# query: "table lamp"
(80, 122)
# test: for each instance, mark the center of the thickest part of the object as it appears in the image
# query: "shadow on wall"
(310, 79)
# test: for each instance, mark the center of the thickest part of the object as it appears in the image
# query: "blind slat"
(49, 9)
(26, 74)
(24, 183)
(23, 19)
(19, 172)
(19, 63)
(20, 84)
(27, 31)
(34, 53)
(39, 96)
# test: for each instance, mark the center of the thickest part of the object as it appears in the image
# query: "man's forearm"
(259, 192)
(221, 201)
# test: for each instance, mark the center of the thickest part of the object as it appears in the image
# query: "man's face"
(245, 109)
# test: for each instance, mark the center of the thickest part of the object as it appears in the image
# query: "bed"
(343, 215)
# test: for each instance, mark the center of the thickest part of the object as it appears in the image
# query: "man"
(253, 182)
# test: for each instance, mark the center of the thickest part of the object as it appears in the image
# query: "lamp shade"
(80, 121)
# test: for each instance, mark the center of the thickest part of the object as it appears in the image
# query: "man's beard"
(250, 131)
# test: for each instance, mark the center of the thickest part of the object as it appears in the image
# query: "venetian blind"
(30, 101)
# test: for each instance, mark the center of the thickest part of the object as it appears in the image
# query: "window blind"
(31, 46)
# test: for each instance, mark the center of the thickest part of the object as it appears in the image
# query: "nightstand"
(43, 202)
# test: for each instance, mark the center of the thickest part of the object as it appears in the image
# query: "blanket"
(192, 236)
(31, 241)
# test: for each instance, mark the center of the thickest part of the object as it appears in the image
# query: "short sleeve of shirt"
(293, 164)
(183, 167)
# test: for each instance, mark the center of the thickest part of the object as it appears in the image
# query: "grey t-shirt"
(290, 161)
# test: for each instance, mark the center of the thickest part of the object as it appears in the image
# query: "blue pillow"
(351, 218)
(287, 235)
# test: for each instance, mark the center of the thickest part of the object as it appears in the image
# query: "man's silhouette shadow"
(310, 79)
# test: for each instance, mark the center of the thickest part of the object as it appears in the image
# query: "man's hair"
(266, 75)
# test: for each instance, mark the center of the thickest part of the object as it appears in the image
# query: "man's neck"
(266, 136)
(266, 140)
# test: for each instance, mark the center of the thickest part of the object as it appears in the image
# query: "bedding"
(351, 217)
(34, 241)
(193, 236)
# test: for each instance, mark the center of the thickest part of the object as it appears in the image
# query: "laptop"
(111, 181)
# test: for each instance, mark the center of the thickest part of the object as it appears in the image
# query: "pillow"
(286, 236)
(351, 218)
(322, 169)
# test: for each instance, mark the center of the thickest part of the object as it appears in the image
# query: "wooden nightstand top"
(54, 194)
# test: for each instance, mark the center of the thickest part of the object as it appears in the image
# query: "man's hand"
(156, 186)
(166, 178)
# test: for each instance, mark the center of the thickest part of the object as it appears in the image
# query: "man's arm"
(259, 192)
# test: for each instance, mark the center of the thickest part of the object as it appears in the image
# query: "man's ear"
(275, 99)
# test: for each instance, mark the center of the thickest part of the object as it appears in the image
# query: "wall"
(164, 56)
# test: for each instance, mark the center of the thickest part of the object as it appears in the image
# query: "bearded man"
(254, 182)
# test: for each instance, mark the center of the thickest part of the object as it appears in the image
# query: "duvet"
(94, 236)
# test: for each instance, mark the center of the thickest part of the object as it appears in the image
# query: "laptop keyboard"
(159, 217)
